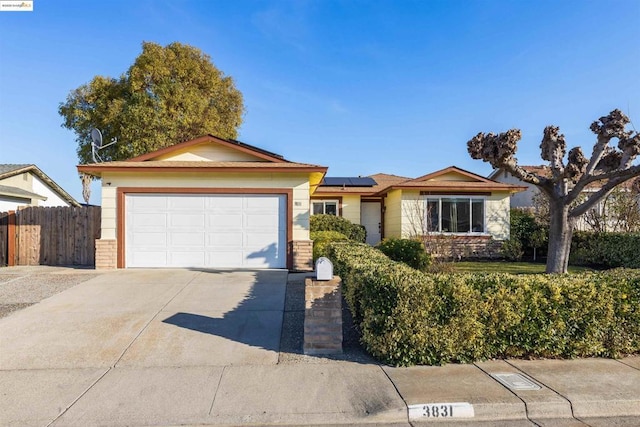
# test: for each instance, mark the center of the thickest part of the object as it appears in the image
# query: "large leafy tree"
(169, 95)
(571, 172)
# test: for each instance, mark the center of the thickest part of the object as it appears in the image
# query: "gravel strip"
(292, 338)
(7, 309)
(26, 287)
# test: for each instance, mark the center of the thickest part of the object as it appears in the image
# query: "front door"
(370, 217)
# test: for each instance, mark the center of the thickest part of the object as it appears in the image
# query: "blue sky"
(359, 86)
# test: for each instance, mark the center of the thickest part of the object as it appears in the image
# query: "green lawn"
(506, 267)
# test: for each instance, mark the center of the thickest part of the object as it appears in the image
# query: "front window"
(328, 207)
(455, 214)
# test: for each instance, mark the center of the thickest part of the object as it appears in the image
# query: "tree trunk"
(560, 233)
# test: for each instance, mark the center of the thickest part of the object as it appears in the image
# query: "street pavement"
(194, 347)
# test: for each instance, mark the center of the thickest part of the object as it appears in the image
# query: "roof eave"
(97, 170)
(501, 188)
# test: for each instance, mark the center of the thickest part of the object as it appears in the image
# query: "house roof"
(185, 166)
(231, 143)
(469, 182)
(9, 170)
(265, 161)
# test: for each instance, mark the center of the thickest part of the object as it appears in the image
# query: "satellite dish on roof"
(96, 137)
(96, 144)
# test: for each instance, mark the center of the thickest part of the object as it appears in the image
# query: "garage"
(205, 230)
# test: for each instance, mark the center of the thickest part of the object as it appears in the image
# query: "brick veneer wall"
(302, 251)
(106, 254)
(463, 247)
(323, 316)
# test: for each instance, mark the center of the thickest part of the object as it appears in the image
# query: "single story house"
(220, 203)
(26, 185)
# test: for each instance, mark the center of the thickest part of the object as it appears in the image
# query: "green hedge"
(529, 237)
(323, 222)
(408, 317)
(321, 239)
(409, 251)
(605, 250)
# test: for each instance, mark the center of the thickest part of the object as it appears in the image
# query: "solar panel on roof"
(362, 182)
(348, 182)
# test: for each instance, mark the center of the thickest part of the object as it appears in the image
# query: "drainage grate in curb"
(516, 382)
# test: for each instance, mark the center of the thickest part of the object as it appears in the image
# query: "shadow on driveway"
(228, 307)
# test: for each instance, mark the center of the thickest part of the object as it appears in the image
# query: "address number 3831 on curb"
(441, 410)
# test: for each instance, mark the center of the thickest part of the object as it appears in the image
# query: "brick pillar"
(323, 316)
(302, 251)
(106, 254)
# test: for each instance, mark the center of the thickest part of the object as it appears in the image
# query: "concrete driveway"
(139, 318)
(174, 347)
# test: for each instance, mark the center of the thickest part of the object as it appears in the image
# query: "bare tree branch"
(499, 150)
(608, 166)
(605, 190)
(553, 149)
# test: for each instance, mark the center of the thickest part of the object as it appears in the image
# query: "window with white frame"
(455, 214)
(328, 207)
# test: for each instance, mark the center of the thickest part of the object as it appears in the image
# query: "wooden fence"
(49, 236)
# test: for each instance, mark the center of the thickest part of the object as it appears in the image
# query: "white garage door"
(205, 230)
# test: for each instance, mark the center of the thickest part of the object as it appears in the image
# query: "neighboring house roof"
(9, 170)
(545, 171)
(6, 190)
(434, 181)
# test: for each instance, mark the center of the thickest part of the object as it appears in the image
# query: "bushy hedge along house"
(216, 203)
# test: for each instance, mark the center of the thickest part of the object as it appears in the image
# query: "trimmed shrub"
(605, 250)
(529, 232)
(321, 240)
(512, 250)
(408, 317)
(323, 222)
(409, 251)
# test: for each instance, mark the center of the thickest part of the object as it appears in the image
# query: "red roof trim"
(91, 169)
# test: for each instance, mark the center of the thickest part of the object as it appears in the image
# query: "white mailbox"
(324, 269)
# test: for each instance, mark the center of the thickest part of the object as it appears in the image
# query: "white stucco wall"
(523, 199)
(53, 199)
(299, 183)
(10, 205)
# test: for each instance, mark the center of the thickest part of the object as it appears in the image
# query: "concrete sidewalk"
(180, 347)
